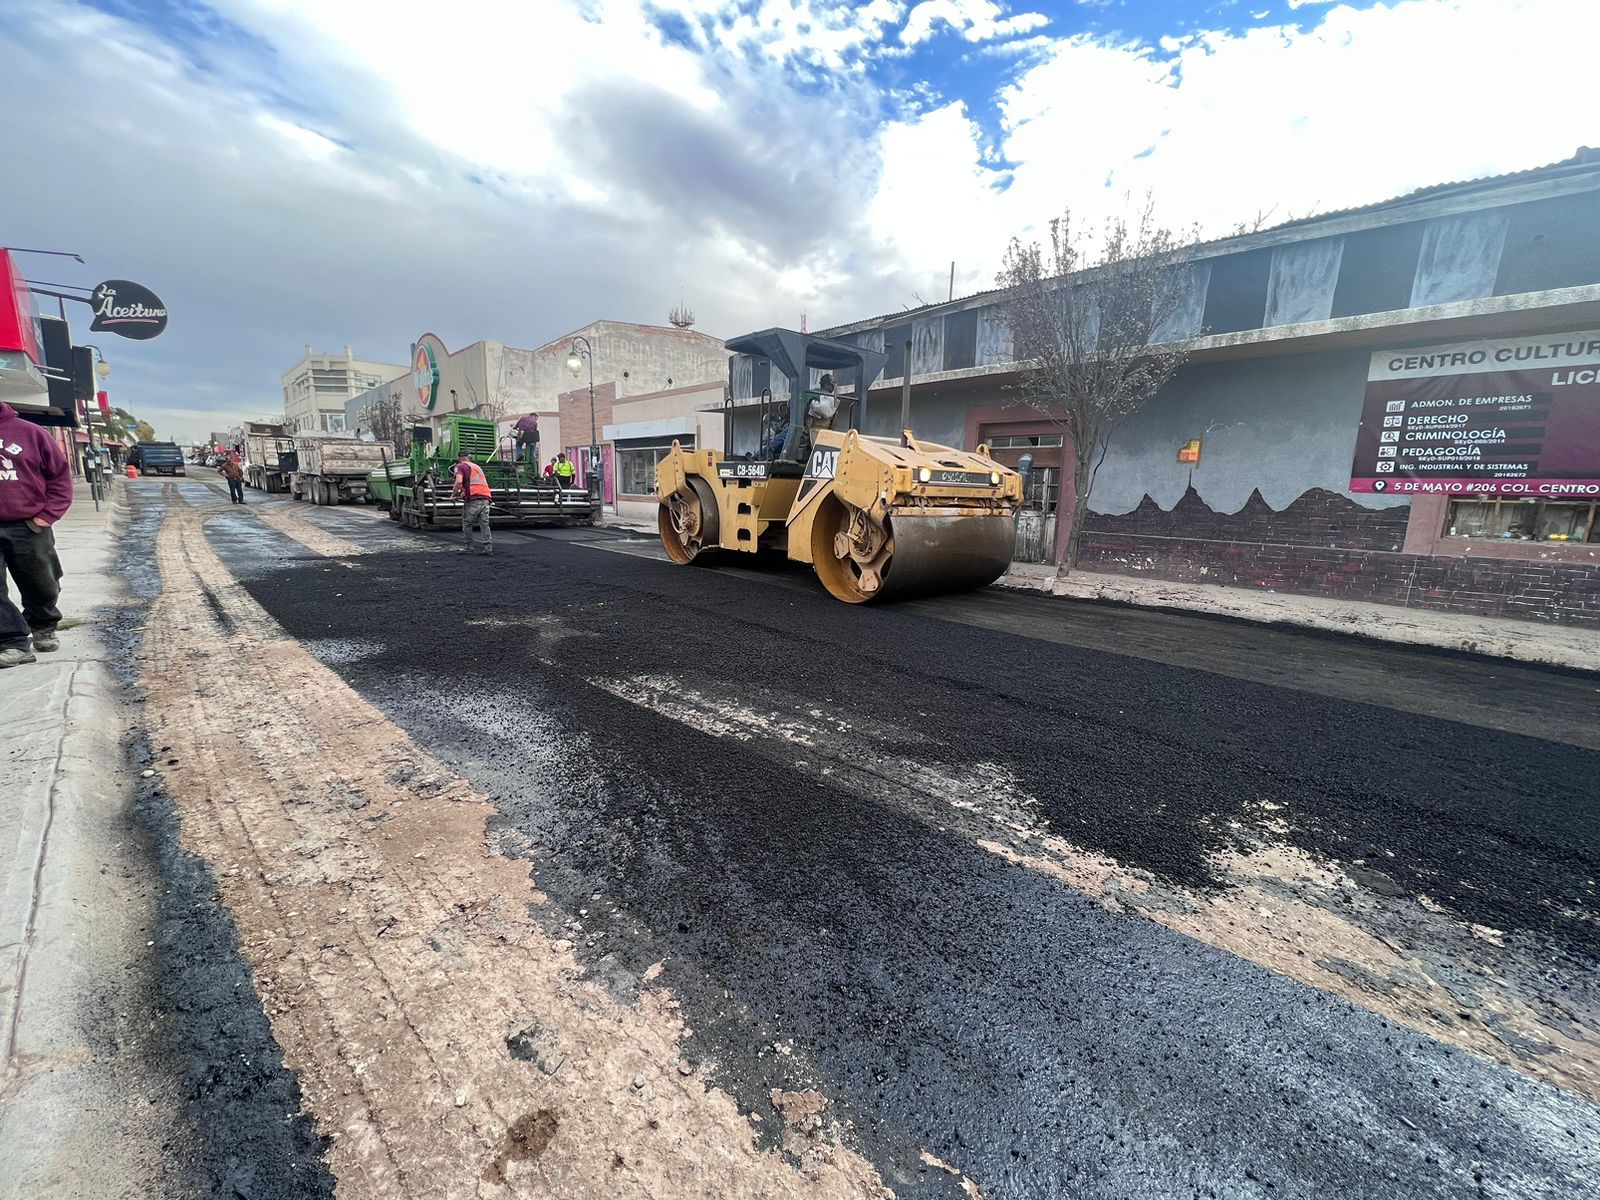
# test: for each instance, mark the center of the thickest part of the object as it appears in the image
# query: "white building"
(318, 387)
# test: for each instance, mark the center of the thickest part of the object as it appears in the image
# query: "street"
(573, 872)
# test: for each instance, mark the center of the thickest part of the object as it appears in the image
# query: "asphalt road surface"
(1076, 900)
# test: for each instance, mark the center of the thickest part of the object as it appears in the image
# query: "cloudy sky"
(359, 171)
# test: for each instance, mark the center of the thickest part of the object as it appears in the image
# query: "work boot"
(46, 642)
(12, 657)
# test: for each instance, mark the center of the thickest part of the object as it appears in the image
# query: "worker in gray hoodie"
(35, 492)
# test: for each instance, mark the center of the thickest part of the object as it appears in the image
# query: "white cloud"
(975, 20)
(1361, 106)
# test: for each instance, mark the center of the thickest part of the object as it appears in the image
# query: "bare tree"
(387, 423)
(1082, 320)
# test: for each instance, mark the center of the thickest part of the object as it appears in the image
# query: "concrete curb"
(1485, 637)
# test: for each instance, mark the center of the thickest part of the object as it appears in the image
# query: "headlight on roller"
(994, 478)
(924, 474)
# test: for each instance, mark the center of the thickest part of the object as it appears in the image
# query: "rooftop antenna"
(682, 316)
(803, 323)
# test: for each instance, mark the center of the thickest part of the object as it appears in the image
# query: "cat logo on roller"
(876, 517)
(822, 464)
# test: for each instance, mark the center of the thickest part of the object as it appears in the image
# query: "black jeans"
(236, 490)
(30, 558)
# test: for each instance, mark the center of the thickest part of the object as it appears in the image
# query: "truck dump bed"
(340, 456)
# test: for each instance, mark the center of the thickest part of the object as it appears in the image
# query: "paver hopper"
(876, 517)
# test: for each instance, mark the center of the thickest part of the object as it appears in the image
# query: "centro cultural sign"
(1510, 417)
(425, 375)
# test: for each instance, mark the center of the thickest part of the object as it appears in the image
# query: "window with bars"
(1043, 485)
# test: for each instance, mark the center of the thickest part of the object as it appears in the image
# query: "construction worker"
(473, 489)
(527, 430)
(234, 474)
(564, 470)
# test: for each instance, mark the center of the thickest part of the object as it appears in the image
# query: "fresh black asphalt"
(943, 998)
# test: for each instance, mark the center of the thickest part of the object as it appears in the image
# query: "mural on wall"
(1282, 426)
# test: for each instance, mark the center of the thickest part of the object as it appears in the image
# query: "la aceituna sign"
(1509, 417)
(128, 310)
(425, 375)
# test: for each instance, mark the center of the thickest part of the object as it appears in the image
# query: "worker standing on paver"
(564, 470)
(35, 493)
(473, 489)
(527, 429)
(230, 470)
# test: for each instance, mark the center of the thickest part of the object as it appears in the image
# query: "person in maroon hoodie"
(35, 492)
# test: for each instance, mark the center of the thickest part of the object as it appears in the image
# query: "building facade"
(1469, 307)
(639, 432)
(318, 389)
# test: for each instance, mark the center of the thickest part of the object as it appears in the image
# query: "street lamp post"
(581, 351)
(102, 370)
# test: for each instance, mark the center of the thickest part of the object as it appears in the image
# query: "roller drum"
(925, 553)
(935, 554)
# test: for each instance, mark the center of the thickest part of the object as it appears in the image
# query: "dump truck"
(417, 489)
(876, 517)
(265, 444)
(330, 468)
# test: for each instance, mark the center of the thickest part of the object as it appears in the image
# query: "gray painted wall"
(1281, 425)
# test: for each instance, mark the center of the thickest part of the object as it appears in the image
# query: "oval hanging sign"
(127, 309)
(425, 375)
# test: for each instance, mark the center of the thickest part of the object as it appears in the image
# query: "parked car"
(157, 458)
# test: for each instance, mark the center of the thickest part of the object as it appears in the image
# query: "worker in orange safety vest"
(473, 489)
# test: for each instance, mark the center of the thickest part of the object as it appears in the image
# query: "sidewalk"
(1523, 641)
(76, 1109)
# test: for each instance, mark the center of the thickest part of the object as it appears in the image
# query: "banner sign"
(127, 309)
(1510, 417)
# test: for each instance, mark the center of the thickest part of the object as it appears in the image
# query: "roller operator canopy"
(790, 351)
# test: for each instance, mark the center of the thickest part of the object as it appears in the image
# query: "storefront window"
(1524, 520)
(636, 465)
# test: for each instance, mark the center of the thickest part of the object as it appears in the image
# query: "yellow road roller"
(876, 517)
